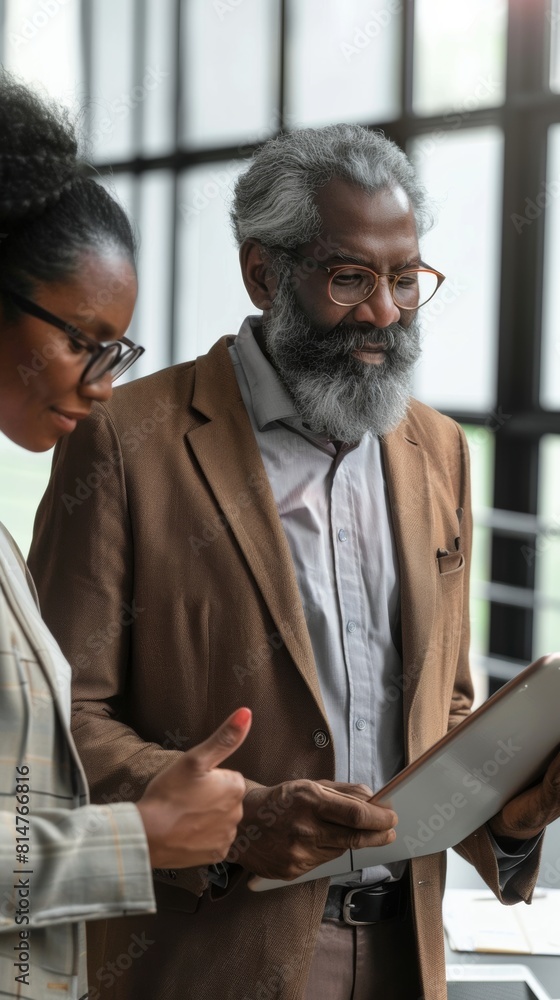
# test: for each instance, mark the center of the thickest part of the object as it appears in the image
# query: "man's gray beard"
(336, 394)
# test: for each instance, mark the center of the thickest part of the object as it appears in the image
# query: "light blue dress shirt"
(334, 508)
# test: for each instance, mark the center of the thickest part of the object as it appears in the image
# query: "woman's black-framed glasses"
(350, 284)
(114, 357)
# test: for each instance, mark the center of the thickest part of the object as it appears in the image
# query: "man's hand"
(191, 809)
(528, 813)
(295, 826)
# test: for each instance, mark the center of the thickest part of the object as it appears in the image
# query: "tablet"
(467, 776)
(493, 982)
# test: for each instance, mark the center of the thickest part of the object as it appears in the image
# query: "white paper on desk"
(476, 921)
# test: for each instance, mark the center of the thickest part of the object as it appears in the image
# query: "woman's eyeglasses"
(114, 357)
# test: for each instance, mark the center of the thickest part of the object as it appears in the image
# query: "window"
(175, 95)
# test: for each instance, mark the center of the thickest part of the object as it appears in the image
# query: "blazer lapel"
(229, 457)
(411, 506)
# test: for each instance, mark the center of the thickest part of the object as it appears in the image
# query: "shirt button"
(342, 536)
(351, 626)
(361, 724)
(321, 738)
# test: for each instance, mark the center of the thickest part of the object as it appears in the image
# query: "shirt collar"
(271, 400)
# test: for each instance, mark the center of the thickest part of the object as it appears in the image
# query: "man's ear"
(260, 281)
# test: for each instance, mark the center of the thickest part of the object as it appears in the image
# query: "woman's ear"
(260, 281)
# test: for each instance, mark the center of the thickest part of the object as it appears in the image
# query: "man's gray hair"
(274, 199)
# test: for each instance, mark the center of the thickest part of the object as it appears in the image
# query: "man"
(282, 520)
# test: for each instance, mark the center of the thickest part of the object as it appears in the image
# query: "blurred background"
(172, 96)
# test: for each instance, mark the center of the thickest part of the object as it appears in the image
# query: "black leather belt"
(386, 901)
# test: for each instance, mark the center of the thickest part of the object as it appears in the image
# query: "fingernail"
(242, 717)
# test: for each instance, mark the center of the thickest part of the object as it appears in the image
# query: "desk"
(461, 875)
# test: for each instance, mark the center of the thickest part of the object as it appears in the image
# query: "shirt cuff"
(509, 862)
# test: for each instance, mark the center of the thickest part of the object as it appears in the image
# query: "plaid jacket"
(62, 861)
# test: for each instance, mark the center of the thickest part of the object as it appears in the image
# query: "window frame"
(530, 107)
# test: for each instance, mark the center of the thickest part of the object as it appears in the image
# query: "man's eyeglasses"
(350, 284)
(114, 357)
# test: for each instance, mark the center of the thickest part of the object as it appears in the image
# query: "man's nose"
(379, 310)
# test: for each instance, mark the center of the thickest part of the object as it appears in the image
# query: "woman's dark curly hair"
(51, 213)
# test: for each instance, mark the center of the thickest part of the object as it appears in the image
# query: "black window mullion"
(174, 277)
(86, 46)
(528, 60)
(519, 336)
(407, 58)
(282, 64)
(2, 29)
(139, 62)
(137, 40)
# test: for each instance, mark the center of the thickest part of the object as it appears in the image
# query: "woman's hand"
(191, 809)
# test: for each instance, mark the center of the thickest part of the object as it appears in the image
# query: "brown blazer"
(166, 577)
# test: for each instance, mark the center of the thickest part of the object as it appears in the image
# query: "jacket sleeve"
(82, 561)
(82, 864)
(60, 859)
(510, 886)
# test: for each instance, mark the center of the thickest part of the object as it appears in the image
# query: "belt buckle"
(347, 910)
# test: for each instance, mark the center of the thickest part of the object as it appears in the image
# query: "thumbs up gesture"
(191, 809)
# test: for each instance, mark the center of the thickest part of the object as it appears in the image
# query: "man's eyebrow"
(347, 258)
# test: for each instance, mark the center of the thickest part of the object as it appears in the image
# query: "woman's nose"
(100, 390)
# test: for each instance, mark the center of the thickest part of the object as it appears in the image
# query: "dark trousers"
(372, 962)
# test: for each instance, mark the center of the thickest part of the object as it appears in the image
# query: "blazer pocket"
(451, 574)
(450, 562)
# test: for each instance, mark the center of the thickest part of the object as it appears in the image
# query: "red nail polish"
(242, 717)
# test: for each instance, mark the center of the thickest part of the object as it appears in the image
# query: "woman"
(67, 292)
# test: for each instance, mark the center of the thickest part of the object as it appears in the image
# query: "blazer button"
(321, 738)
